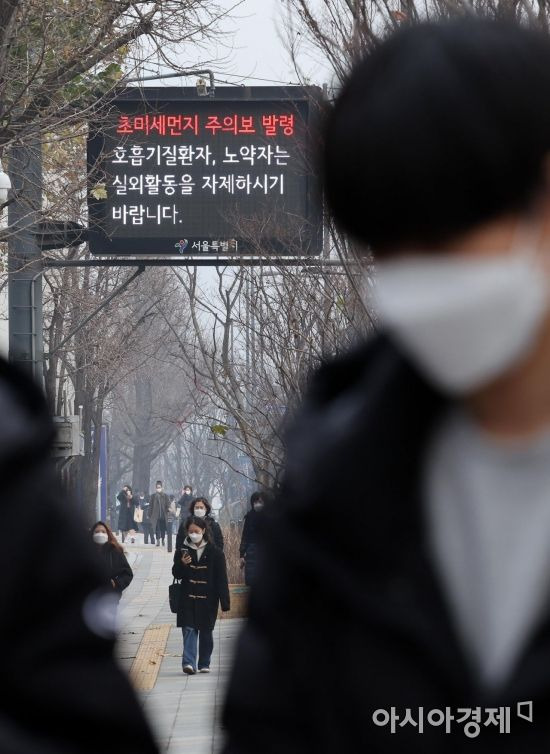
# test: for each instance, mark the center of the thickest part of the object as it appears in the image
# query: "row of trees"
(60, 65)
(197, 374)
(238, 348)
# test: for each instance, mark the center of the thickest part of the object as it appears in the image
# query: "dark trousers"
(161, 529)
(148, 533)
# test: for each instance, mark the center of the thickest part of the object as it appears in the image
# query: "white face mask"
(258, 506)
(463, 320)
(195, 538)
(200, 512)
(100, 538)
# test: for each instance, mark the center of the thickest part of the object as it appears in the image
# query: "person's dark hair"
(200, 522)
(112, 540)
(201, 500)
(129, 488)
(187, 487)
(158, 482)
(256, 496)
(440, 129)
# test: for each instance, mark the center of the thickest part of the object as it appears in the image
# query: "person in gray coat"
(159, 503)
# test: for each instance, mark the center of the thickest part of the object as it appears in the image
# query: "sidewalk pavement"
(184, 711)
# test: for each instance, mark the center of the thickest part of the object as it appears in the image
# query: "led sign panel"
(173, 173)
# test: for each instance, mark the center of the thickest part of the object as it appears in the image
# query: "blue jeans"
(205, 640)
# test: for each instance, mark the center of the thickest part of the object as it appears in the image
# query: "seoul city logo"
(181, 245)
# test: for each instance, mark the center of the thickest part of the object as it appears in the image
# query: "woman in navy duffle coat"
(202, 570)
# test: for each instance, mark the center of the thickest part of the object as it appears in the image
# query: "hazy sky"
(259, 48)
(252, 48)
(255, 35)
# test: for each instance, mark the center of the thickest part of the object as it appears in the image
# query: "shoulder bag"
(174, 594)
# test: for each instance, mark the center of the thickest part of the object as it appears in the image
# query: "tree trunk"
(143, 445)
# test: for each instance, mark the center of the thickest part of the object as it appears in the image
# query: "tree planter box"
(239, 601)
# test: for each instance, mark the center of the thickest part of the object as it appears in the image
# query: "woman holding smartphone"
(201, 567)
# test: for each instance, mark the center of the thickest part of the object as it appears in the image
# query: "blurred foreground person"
(116, 566)
(248, 548)
(63, 692)
(433, 633)
(201, 567)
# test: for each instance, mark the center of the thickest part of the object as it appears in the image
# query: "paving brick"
(184, 711)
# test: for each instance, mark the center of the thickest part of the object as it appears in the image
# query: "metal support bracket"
(308, 262)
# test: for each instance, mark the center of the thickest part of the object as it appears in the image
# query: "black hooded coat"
(248, 548)
(336, 633)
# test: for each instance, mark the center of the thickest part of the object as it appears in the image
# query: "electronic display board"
(172, 173)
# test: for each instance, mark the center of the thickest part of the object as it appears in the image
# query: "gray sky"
(252, 51)
(258, 48)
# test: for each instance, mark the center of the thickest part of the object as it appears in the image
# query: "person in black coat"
(126, 511)
(63, 689)
(186, 497)
(122, 498)
(248, 549)
(372, 631)
(159, 503)
(202, 570)
(148, 531)
(201, 508)
(112, 555)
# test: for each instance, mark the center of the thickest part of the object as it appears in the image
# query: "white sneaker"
(188, 670)
(204, 670)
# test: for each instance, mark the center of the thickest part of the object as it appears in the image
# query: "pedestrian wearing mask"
(202, 570)
(171, 520)
(159, 503)
(118, 569)
(186, 497)
(121, 500)
(126, 523)
(148, 532)
(249, 537)
(437, 160)
(201, 508)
